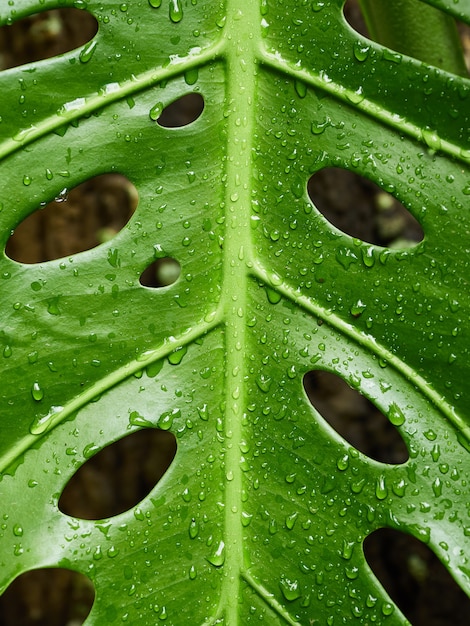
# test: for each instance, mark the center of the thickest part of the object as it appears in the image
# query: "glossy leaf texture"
(262, 514)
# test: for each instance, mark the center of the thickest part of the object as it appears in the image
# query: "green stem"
(416, 29)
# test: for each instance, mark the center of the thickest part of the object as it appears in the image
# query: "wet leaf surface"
(268, 290)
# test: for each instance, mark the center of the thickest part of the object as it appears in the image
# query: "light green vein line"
(369, 343)
(372, 109)
(242, 34)
(105, 384)
(86, 105)
(268, 598)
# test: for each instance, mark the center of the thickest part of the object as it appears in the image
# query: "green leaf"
(262, 515)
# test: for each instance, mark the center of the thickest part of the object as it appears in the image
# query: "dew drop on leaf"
(176, 11)
(176, 357)
(88, 51)
(165, 421)
(37, 392)
(217, 557)
(290, 589)
(193, 528)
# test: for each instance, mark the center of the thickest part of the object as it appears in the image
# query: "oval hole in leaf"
(161, 273)
(78, 219)
(415, 579)
(355, 18)
(361, 209)
(47, 597)
(354, 417)
(182, 112)
(45, 35)
(119, 476)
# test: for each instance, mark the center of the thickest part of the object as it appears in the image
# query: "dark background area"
(117, 478)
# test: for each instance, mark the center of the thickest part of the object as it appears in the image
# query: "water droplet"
(18, 530)
(88, 51)
(348, 547)
(191, 76)
(318, 128)
(139, 514)
(357, 308)
(165, 421)
(135, 419)
(203, 412)
(437, 487)
(290, 589)
(436, 453)
(246, 519)
(361, 50)
(431, 138)
(193, 528)
(37, 392)
(273, 296)
(156, 111)
(387, 608)
(155, 4)
(192, 572)
(300, 88)
(264, 382)
(27, 180)
(53, 306)
(381, 490)
(290, 520)
(395, 415)
(40, 424)
(217, 558)
(176, 357)
(352, 572)
(399, 487)
(176, 11)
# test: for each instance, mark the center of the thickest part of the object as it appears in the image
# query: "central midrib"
(241, 35)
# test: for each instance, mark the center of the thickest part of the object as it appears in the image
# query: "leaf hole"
(119, 476)
(161, 273)
(360, 208)
(358, 21)
(415, 579)
(78, 219)
(355, 418)
(45, 35)
(182, 111)
(47, 597)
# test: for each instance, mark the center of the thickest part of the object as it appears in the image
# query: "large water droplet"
(37, 392)
(176, 11)
(217, 557)
(290, 589)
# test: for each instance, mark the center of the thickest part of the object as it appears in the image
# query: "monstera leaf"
(262, 515)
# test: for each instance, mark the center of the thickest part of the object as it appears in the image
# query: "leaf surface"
(262, 514)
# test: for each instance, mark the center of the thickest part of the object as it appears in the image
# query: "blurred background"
(122, 474)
